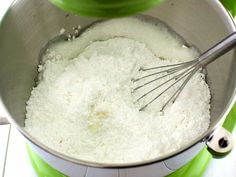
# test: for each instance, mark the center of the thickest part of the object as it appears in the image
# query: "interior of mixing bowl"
(29, 24)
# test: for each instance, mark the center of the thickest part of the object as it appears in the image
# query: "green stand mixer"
(116, 8)
(105, 8)
(119, 8)
(91, 8)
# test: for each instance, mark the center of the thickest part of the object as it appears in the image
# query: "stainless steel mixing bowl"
(29, 24)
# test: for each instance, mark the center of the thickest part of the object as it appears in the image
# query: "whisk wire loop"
(191, 71)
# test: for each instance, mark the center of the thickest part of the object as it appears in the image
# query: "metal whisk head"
(174, 73)
(180, 72)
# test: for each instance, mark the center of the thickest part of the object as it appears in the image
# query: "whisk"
(181, 71)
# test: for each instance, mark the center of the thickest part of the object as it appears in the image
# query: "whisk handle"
(218, 50)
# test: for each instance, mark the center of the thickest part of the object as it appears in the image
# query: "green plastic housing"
(105, 8)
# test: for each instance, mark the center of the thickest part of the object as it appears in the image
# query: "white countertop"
(14, 160)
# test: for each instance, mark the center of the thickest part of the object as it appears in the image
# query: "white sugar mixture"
(83, 105)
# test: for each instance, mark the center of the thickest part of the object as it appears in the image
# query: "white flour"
(83, 105)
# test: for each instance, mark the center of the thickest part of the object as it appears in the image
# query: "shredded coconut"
(62, 31)
(84, 107)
